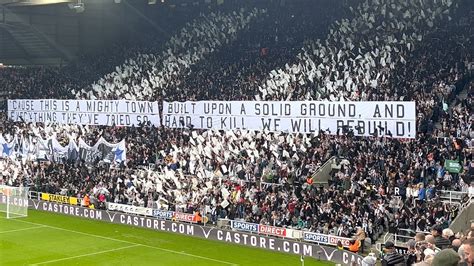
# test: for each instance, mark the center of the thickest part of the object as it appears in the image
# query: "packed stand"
(266, 177)
(146, 75)
(273, 40)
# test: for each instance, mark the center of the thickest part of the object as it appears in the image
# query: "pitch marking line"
(22, 229)
(132, 243)
(86, 255)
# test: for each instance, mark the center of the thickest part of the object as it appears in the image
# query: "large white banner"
(395, 119)
(85, 112)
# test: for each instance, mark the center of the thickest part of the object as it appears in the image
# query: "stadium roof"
(53, 32)
(32, 2)
(22, 39)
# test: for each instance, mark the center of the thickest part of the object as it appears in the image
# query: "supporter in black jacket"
(411, 257)
(392, 257)
(440, 241)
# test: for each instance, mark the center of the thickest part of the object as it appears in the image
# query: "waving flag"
(7, 149)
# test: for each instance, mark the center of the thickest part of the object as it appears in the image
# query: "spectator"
(448, 234)
(392, 257)
(462, 256)
(370, 260)
(467, 248)
(440, 241)
(360, 236)
(419, 237)
(446, 257)
(456, 244)
(431, 240)
(411, 256)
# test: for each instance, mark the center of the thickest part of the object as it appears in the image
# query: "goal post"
(14, 201)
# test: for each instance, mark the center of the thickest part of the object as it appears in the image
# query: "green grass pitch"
(53, 239)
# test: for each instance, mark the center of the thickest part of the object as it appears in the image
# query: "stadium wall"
(464, 219)
(212, 233)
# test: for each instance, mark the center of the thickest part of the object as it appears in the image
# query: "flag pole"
(302, 260)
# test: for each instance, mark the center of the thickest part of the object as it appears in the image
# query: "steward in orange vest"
(354, 245)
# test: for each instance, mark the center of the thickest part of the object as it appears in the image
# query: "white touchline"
(86, 255)
(22, 229)
(133, 243)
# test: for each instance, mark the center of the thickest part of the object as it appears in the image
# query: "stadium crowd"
(439, 247)
(379, 50)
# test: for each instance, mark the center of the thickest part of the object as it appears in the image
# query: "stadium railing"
(404, 235)
(452, 197)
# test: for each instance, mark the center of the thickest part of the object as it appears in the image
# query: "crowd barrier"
(253, 228)
(170, 215)
(289, 233)
(235, 225)
(191, 229)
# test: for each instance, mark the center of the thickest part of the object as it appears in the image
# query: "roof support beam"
(40, 35)
(7, 32)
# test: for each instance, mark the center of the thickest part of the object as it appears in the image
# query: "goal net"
(14, 201)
